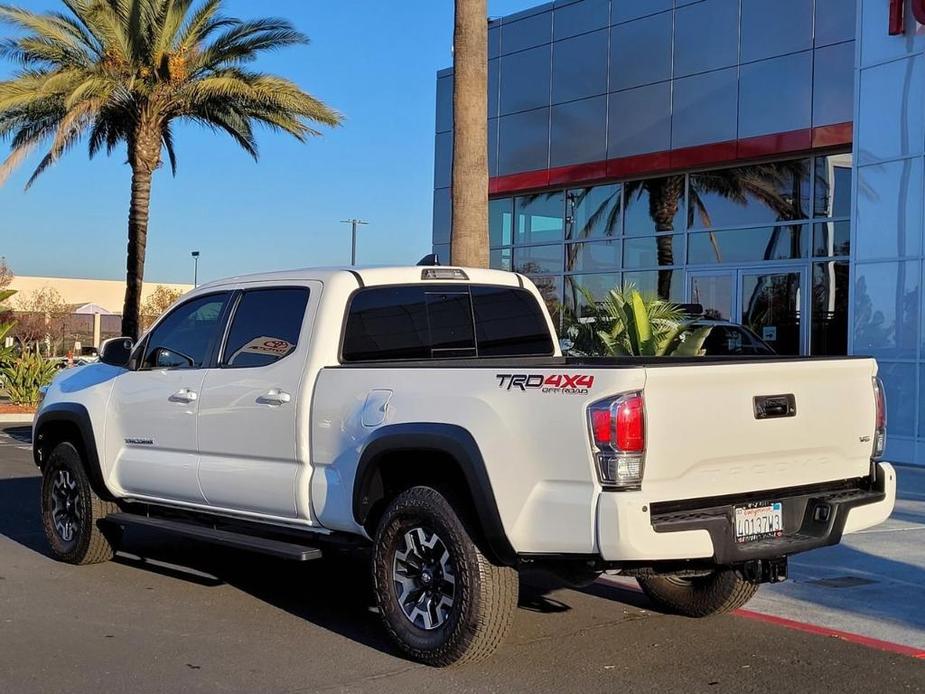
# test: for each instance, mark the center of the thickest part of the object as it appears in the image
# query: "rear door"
(247, 415)
(152, 411)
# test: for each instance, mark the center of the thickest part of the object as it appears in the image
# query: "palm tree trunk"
(470, 135)
(144, 157)
(664, 200)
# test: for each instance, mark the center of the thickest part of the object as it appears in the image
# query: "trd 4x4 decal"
(568, 384)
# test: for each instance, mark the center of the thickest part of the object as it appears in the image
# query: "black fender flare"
(78, 416)
(451, 440)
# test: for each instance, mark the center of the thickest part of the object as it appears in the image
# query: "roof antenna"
(429, 260)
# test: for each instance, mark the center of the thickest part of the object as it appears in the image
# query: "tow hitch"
(765, 570)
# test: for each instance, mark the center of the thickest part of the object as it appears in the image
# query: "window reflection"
(833, 186)
(653, 251)
(654, 205)
(592, 257)
(748, 195)
(500, 221)
(538, 259)
(551, 289)
(603, 236)
(540, 217)
(832, 239)
(747, 245)
(500, 259)
(886, 309)
(665, 284)
(594, 212)
(771, 309)
(714, 294)
(830, 308)
(596, 285)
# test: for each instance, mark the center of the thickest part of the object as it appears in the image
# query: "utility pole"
(195, 255)
(353, 246)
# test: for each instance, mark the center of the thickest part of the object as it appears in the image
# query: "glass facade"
(888, 234)
(747, 110)
(764, 244)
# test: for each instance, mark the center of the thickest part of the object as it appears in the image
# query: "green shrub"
(628, 323)
(23, 377)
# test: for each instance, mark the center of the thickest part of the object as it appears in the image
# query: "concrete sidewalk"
(873, 584)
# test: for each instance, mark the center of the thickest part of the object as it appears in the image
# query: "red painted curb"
(867, 641)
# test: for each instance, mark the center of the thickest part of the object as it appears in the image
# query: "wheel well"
(53, 433)
(50, 433)
(397, 471)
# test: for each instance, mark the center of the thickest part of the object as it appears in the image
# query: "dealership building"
(762, 158)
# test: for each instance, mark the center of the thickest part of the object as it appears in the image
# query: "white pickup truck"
(428, 413)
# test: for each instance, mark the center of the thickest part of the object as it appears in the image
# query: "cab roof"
(374, 276)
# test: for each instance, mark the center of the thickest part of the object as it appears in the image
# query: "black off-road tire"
(720, 592)
(88, 543)
(485, 594)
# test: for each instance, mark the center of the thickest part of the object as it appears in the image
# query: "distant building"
(108, 295)
(95, 305)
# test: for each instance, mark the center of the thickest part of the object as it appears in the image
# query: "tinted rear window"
(509, 322)
(444, 321)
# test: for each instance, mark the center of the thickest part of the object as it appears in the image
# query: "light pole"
(195, 255)
(353, 246)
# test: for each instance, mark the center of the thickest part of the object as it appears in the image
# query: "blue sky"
(374, 61)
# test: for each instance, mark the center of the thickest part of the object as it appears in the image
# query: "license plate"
(759, 521)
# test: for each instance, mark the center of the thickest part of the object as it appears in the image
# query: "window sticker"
(272, 346)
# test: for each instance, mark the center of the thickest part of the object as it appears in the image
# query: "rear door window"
(265, 327)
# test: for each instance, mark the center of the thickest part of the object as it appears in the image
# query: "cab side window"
(186, 338)
(265, 327)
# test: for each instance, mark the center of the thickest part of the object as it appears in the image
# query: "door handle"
(184, 395)
(274, 397)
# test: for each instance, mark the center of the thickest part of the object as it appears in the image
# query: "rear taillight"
(618, 437)
(880, 420)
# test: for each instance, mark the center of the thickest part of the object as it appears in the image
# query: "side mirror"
(117, 351)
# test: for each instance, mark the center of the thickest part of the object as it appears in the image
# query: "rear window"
(443, 322)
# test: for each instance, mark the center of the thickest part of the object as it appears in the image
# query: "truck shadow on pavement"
(334, 593)
(20, 520)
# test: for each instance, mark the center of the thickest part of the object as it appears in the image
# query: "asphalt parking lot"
(171, 615)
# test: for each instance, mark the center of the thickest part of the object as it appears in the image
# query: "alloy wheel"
(424, 575)
(66, 505)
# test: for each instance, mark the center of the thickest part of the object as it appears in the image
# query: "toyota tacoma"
(428, 414)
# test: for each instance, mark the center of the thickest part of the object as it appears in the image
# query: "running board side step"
(224, 538)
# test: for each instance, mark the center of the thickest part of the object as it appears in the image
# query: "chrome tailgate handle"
(775, 406)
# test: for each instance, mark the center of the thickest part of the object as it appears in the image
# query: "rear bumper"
(632, 530)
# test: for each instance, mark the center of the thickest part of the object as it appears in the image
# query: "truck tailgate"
(705, 439)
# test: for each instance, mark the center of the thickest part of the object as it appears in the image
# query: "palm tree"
(774, 184)
(125, 71)
(470, 134)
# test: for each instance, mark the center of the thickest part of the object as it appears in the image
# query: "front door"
(768, 300)
(248, 434)
(151, 420)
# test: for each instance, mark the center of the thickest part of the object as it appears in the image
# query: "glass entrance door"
(771, 306)
(769, 301)
(715, 291)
